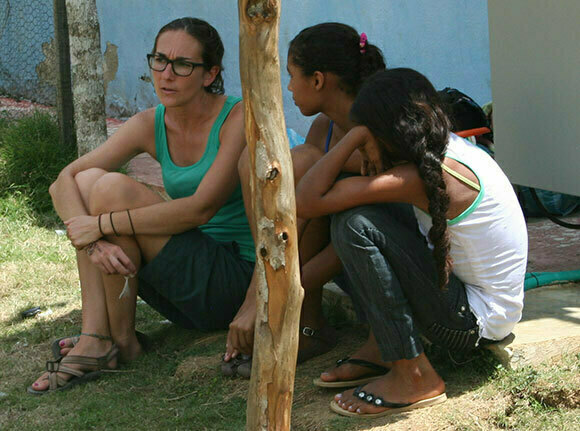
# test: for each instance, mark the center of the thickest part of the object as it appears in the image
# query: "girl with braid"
(450, 265)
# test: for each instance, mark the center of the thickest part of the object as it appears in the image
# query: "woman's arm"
(319, 193)
(179, 215)
(133, 137)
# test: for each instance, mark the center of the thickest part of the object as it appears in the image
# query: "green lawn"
(177, 386)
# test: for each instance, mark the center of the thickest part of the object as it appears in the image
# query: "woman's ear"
(319, 79)
(209, 75)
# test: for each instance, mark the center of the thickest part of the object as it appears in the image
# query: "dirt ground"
(473, 401)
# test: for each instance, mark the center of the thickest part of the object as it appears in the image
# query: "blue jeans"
(393, 282)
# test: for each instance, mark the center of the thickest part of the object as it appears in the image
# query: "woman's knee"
(112, 192)
(86, 180)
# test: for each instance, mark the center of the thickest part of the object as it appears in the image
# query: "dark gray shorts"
(196, 281)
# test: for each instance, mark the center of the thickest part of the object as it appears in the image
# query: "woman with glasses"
(191, 257)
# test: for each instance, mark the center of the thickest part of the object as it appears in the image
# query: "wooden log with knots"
(279, 293)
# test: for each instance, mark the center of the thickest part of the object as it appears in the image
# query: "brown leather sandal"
(55, 347)
(93, 368)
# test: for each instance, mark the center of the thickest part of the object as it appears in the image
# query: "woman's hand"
(82, 230)
(110, 259)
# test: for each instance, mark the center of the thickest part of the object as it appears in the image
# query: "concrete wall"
(447, 40)
(535, 108)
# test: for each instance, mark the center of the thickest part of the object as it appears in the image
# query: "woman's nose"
(168, 72)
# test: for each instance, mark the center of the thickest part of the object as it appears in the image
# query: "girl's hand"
(82, 230)
(110, 259)
(372, 156)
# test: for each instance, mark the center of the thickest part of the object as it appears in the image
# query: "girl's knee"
(303, 158)
(348, 226)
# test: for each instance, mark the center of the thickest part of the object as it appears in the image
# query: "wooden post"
(64, 99)
(279, 294)
(87, 74)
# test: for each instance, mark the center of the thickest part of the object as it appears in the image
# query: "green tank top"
(230, 222)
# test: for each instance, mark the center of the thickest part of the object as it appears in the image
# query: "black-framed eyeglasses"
(180, 67)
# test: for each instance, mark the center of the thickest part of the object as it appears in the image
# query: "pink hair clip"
(363, 43)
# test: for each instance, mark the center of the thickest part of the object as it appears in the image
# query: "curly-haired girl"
(449, 266)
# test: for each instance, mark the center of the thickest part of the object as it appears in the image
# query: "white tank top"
(489, 244)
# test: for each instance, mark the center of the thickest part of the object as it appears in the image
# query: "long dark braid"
(401, 107)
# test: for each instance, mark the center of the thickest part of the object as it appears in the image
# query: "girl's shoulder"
(318, 131)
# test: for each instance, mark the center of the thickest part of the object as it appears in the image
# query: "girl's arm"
(179, 215)
(319, 193)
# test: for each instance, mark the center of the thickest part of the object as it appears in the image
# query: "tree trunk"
(279, 294)
(87, 74)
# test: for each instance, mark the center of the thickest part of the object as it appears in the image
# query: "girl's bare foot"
(348, 371)
(408, 382)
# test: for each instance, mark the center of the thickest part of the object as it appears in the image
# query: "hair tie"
(363, 43)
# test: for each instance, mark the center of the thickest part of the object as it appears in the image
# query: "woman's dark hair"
(400, 107)
(211, 43)
(334, 47)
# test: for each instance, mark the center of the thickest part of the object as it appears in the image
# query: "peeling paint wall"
(447, 40)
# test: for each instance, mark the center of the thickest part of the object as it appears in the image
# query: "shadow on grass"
(177, 385)
(163, 389)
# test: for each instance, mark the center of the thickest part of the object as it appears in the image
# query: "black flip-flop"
(391, 408)
(377, 371)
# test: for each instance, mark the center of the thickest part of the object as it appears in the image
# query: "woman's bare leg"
(117, 192)
(94, 309)
(103, 313)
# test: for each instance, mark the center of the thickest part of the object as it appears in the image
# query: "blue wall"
(447, 40)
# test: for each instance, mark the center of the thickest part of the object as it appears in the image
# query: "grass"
(177, 386)
(30, 159)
